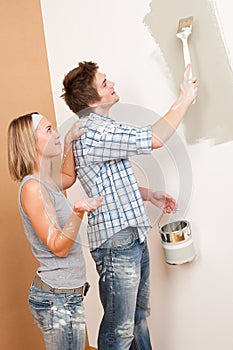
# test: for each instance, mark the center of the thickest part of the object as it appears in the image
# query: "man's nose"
(111, 83)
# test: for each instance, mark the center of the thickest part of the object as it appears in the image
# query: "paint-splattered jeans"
(60, 317)
(123, 266)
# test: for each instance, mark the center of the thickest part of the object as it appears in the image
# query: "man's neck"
(103, 109)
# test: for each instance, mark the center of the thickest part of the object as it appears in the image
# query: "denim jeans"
(60, 317)
(123, 266)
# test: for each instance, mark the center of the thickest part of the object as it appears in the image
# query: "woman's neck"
(44, 170)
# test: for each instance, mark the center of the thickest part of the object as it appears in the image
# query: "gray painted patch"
(212, 115)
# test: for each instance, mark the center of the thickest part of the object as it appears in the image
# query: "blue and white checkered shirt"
(103, 166)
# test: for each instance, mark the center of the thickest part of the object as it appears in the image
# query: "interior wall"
(25, 87)
(208, 50)
(191, 304)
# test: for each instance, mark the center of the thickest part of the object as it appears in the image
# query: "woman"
(51, 225)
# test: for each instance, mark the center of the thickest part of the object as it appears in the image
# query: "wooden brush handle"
(186, 53)
(187, 59)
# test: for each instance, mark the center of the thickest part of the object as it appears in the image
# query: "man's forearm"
(164, 128)
(145, 193)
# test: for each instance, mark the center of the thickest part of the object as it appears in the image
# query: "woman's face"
(48, 143)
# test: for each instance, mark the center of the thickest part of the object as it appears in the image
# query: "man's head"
(85, 87)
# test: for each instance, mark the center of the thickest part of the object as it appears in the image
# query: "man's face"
(105, 89)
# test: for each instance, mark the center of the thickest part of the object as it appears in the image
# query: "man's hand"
(163, 201)
(188, 87)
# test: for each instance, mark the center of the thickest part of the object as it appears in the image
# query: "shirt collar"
(105, 117)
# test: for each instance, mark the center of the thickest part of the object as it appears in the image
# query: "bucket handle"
(158, 222)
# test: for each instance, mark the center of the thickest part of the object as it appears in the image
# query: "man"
(118, 230)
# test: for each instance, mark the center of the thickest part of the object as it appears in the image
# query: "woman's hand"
(68, 175)
(88, 204)
(74, 133)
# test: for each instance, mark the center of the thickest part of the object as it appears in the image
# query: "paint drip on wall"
(211, 117)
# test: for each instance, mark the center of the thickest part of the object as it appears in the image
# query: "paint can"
(177, 242)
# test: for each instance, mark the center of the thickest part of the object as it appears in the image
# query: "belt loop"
(135, 232)
(86, 288)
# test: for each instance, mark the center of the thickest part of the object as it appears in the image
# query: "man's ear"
(92, 104)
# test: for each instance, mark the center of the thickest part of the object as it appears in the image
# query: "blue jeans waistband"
(130, 233)
(39, 284)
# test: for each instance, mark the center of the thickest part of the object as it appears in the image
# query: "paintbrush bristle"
(185, 23)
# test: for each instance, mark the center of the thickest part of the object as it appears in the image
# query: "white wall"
(191, 304)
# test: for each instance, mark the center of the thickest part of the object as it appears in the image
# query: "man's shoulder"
(96, 121)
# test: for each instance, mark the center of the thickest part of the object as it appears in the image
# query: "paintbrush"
(183, 32)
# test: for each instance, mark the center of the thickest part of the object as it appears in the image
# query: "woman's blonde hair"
(22, 154)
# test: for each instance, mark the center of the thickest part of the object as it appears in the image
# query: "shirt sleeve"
(117, 141)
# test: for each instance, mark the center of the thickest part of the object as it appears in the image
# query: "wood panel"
(25, 87)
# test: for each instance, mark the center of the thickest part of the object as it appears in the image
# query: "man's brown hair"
(78, 86)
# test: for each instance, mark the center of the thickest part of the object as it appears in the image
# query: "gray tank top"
(69, 272)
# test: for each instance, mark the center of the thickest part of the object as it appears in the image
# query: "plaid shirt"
(102, 165)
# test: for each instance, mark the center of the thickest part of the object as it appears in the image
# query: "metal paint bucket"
(177, 242)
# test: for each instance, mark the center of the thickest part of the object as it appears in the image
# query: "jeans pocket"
(42, 313)
(123, 241)
(97, 256)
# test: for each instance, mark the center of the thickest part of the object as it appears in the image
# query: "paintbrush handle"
(186, 53)
(187, 59)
